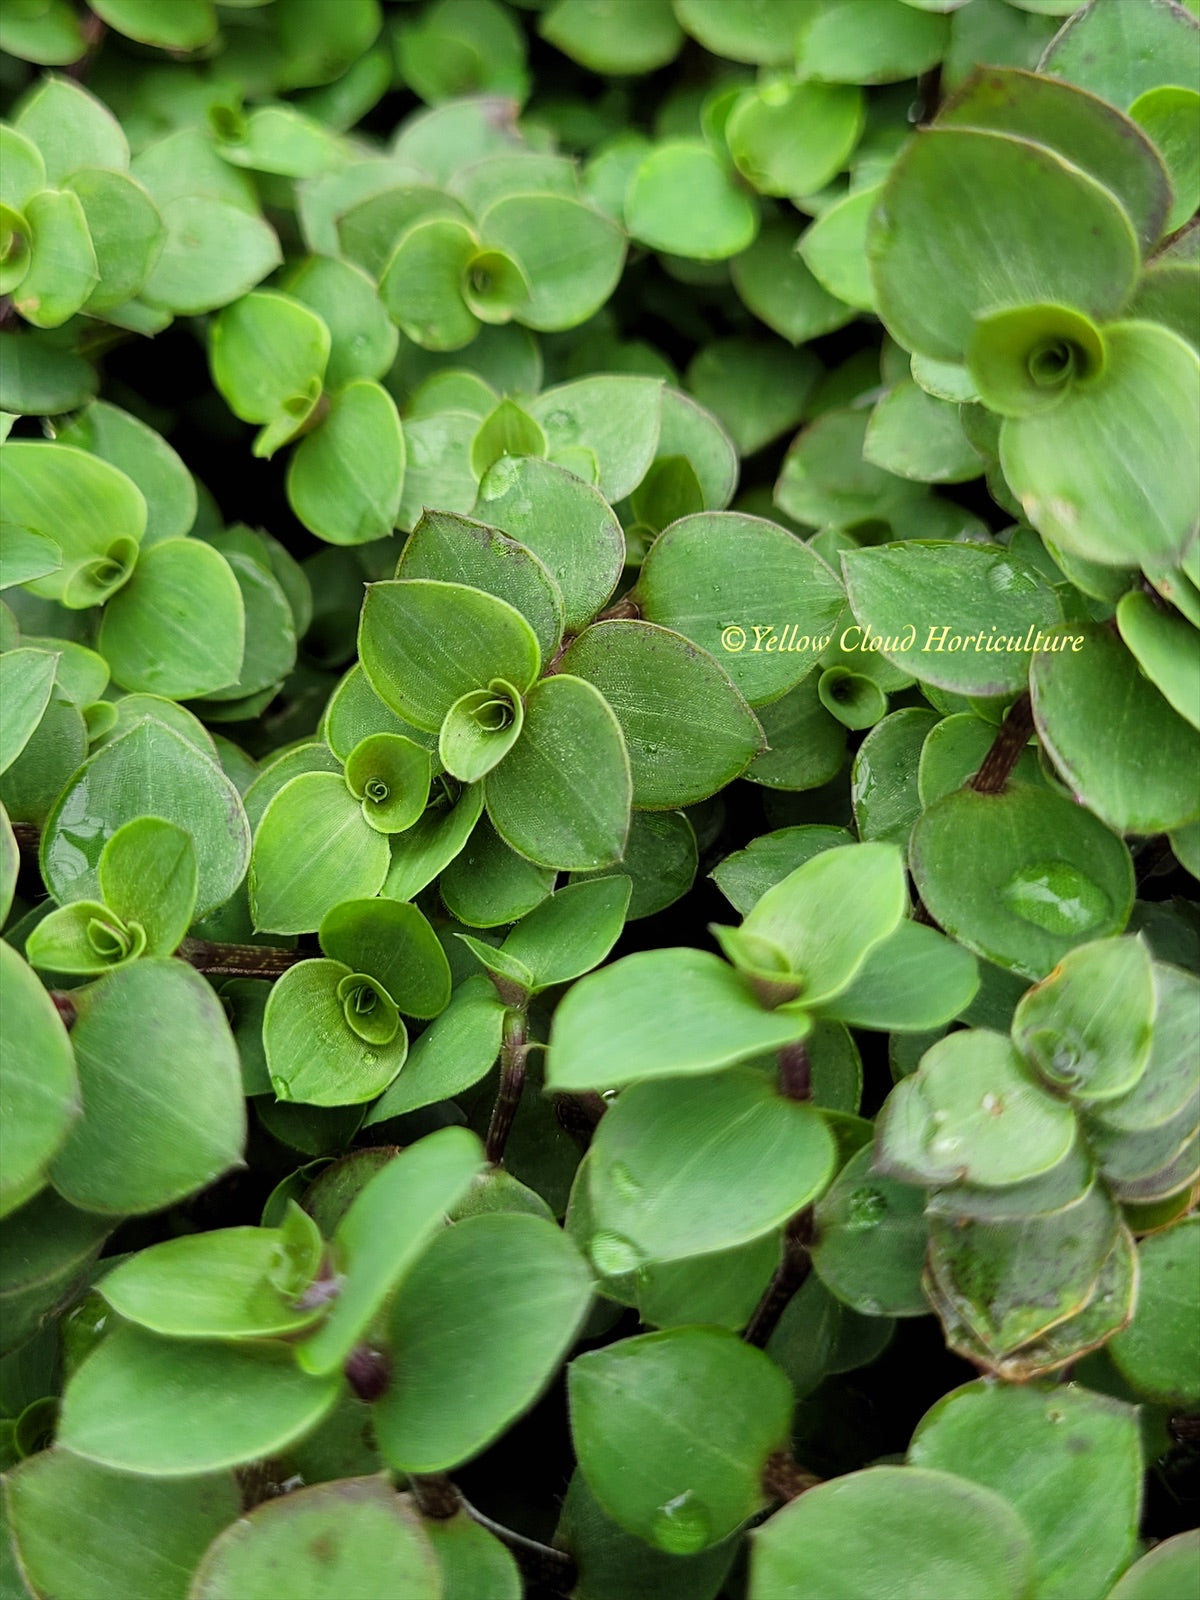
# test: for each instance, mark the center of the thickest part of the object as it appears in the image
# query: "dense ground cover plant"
(600, 689)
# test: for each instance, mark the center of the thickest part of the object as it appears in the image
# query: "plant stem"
(789, 1275)
(439, 1499)
(624, 609)
(539, 1563)
(65, 1006)
(238, 960)
(997, 766)
(795, 1071)
(513, 1050)
(783, 1479)
(436, 1496)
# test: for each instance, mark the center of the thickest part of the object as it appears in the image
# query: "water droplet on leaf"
(613, 1255)
(624, 1182)
(867, 1209)
(682, 1526)
(1003, 579)
(1055, 896)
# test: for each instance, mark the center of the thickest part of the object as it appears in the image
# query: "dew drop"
(613, 1255)
(867, 1209)
(682, 1526)
(1056, 897)
(1003, 579)
(946, 1145)
(563, 425)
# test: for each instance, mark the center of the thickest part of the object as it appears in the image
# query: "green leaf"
(915, 435)
(389, 774)
(279, 139)
(562, 796)
(779, 288)
(736, 610)
(368, 1537)
(834, 247)
(1157, 1353)
(395, 944)
(1020, 877)
(87, 507)
(47, 1252)
(422, 285)
(927, 604)
(1079, 126)
(457, 1050)
(972, 1113)
(572, 255)
(901, 43)
(83, 938)
(616, 418)
(167, 1121)
(385, 1232)
(668, 1155)
(758, 390)
(789, 138)
(661, 1013)
(682, 199)
(146, 458)
(915, 980)
(487, 883)
(126, 234)
(759, 31)
(1166, 1085)
(646, 674)
(425, 643)
(613, 1563)
(883, 778)
(346, 477)
(646, 1415)
(363, 339)
(169, 1408)
(1168, 116)
(36, 778)
(312, 849)
(1097, 475)
(490, 1309)
(10, 866)
(147, 875)
(41, 1092)
(176, 1522)
(26, 682)
(1011, 1282)
(331, 1036)
(920, 1521)
(584, 30)
(1121, 51)
(475, 1565)
(1087, 1027)
(480, 729)
(110, 789)
(186, 26)
(505, 431)
(1082, 1504)
(955, 750)
(564, 522)
(804, 915)
(177, 627)
(1166, 649)
(268, 355)
(572, 931)
(454, 549)
(51, 35)
(1137, 781)
(431, 845)
(938, 259)
(270, 633)
(746, 875)
(871, 1238)
(208, 1286)
(1162, 1572)
(71, 129)
(25, 555)
(214, 252)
